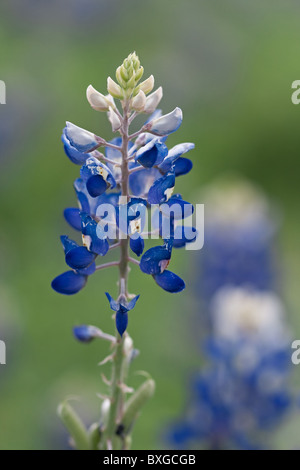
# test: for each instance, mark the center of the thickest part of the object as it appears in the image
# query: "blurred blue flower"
(244, 391)
(239, 238)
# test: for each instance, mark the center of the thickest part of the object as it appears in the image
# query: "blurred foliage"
(230, 66)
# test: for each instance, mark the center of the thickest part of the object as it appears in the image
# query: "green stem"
(120, 360)
(116, 395)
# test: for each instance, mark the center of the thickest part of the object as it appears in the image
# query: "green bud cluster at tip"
(128, 76)
(130, 72)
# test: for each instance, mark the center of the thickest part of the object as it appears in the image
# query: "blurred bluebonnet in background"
(240, 229)
(244, 390)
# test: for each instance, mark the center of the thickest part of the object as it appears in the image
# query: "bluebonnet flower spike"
(113, 194)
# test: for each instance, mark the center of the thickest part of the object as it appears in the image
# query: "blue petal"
(72, 216)
(83, 196)
(169, 282)
(174, 154)
(113, 304)
(152, 153)
(90, 204)
(180, 238)
(93, 167)
(137, 245)
(155, 260)
(176, 208)
(158, 193)
(79, 257)
(96, 185)
(121, 322)
(85, 333)
(74, 155)
(182, 166)
(141, 181)
(67, 243)
(88, 271)
(132, 303)
(90, 237)
(69, 283)
(81, 139)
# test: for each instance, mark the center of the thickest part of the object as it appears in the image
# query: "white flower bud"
(111, 101)
(114, 89)
(139, 101)
(114, 120)
(153, 100)
(166, 124)
(147, 85)
(96, 99)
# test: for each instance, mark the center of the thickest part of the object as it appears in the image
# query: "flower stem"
(120, 360)
(107, 265)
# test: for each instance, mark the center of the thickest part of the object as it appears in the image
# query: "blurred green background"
(229, 66)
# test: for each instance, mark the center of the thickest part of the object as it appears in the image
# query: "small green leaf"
(74, 425)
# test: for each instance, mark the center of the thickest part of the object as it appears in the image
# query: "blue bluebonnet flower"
(81, 261)
(155, 261)
(143, 173)
(173, 159)
(77, 257)
(141, 182)
(153, 153)
(85, 333)
(121, 308)
(97, 176)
